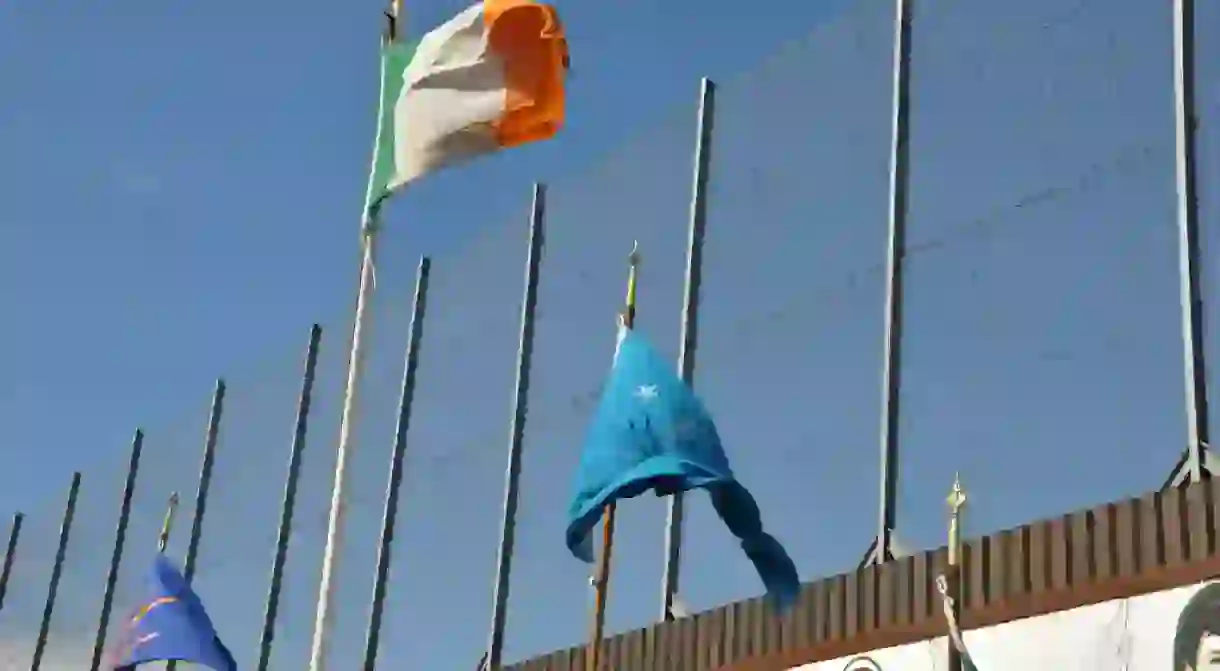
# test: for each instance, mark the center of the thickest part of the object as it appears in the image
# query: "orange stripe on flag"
(143, 612)
(529, 37)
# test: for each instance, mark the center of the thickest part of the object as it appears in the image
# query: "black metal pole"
(1190, 248)
(205, 483)
(690, 322)
(516, 441)
(388, 519)
(116, 555)
(10, 555)
(891, 385)
(290, 498)
(65, 530)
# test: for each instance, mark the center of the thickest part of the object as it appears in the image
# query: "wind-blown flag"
(651, 432)
(490, 78)
(172, 625)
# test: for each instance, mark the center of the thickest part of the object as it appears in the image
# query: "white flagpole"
(334, 528)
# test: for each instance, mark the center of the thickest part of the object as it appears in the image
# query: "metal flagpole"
(891, 376)
(355, 364)
(385, 549)
(602, 581)
(65, 530)
(690, 323)
(290, 497)
(10, 554)
(512, 474)
(953, 574)
(116, 555)
(1193, 465)
(205, 482)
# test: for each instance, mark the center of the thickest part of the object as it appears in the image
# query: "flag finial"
(956, 501)
(957, 496)
(634, 260)
(168, 523)
(392, 16)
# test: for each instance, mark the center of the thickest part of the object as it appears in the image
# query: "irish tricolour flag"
(491, 77)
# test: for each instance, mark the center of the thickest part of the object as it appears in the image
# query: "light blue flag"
(651, 432)
(172, 625)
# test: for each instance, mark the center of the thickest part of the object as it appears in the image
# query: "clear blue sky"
(180, 198)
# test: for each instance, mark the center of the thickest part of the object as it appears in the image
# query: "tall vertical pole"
(300, 429)
(690, 322)
(398, 454)
(521, 390)
(10, 555)
(65, 530)
(891, 376)
(205, 484)
(953, 577)
(361, 322)
(1189, 244)
(116, 555)
(601, 581)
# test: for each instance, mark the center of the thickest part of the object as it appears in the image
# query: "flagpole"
(602, 581)
(690, 323)
(116, 555)
(953, 577)
(360, 325)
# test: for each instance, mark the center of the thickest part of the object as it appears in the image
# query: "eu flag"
(651, 432)
(172, 625)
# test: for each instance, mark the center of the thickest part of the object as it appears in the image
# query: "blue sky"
(180, 197)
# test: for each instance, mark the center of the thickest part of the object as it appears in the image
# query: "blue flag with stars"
(172, 625)
(651, 432)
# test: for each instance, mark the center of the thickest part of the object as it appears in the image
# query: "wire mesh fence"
(1043, 347)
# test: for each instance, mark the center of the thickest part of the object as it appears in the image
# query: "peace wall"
(1073, 577)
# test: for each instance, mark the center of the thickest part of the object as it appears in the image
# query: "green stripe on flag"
(395, 57)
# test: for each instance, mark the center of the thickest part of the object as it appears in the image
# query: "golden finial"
(956, 501)
(168, 524)
(633, 272)
(957, 496)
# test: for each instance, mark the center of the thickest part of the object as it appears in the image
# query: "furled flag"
(490, 78)
(172, 625)
(955, 632)
(651, 432)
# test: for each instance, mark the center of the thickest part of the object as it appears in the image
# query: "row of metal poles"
(517, 431)
(1194, 462)
(1193, 465)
